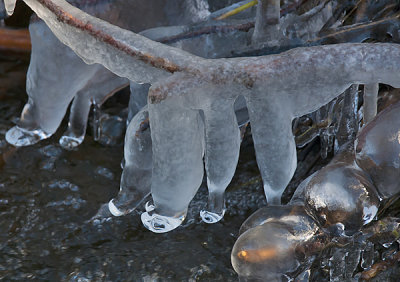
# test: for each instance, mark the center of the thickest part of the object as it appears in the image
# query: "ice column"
(347, 127)
(177, 133)
(46, 107)
(274, 144)
(136, 177)
(222, 139)
(267, 20)
(370, 101)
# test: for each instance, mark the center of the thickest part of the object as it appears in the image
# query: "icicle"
(370, 101)
(267, 21)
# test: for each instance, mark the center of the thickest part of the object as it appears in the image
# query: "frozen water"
(370, 101)
(273, 213)
(267, 21)
(341, 196)
(272, 247)
(136, 177)
(10, 5)
(377, 151)
(51, 87)
(298, 82)
(348, 121)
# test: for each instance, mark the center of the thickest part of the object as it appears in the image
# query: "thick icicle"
(47, 106)
(348, 123)
(136, 177)
(102, 85)
(177, 160)
(222, 144)
(276, 156)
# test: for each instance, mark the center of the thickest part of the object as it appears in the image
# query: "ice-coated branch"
(119, 50)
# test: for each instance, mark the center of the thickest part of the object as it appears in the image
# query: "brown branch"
(15, 39)
(66, 18)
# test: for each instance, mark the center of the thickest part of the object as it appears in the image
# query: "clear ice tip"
(160, 223)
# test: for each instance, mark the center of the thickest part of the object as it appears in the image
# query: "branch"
(123, 52)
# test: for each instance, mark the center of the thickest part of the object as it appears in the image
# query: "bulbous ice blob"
(341, 197)
(270, 251)
(378, 151)
(272, 213)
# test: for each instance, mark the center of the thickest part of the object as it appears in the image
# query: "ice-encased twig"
(298, 82)
(123, 52)
(48, 47)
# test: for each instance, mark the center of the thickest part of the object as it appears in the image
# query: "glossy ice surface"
(271, 248)
(340, 199)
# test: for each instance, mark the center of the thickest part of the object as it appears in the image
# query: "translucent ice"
(341, 197)
(297, 82)
(274, 244)
(51, 87)
(136, 177)
(378, 149)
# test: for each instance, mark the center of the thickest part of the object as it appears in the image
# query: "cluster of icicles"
(194, 109)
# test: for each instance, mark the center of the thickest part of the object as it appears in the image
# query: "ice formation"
(277, 247)
(209, 45)
(52, 87)
(183, 85)
(341, 198)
